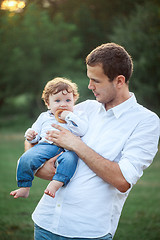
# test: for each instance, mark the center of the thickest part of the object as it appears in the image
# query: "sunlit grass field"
(15, 214)
(140, 218)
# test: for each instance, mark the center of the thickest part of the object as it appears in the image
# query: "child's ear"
(47, 104)
(75, 99)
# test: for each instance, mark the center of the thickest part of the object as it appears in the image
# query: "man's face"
(104, 90)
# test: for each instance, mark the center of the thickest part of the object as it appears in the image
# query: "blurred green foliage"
(43, 42)
(34, 49)
(140, 33)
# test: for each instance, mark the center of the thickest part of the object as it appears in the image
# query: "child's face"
(61, 100)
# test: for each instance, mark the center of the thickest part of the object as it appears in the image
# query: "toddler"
(59, 95)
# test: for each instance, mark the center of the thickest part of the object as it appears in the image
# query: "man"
(120, 143)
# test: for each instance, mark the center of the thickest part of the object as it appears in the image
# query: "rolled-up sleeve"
(77, 123)
(140, 149)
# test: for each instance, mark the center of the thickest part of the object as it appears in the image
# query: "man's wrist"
(77, 145)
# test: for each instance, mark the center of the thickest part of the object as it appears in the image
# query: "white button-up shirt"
(89, 207)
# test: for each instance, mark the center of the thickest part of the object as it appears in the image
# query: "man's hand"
(48, 170)
(107, 170)
(63, 138)
(28, 145)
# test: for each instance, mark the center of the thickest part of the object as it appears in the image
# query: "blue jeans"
(36, 156)
(42, 234)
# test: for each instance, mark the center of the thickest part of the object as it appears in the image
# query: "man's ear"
(120, 81)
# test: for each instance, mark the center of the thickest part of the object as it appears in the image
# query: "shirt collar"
(121, 108)
(50, 113)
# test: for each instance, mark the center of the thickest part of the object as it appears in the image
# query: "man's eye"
(68, 100)
(57, 100)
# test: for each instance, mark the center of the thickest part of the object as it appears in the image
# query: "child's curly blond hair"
(57, 85)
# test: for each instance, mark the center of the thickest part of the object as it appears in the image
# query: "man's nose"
(90, 85)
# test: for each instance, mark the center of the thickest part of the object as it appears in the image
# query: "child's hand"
(64, 114)
(30, 135)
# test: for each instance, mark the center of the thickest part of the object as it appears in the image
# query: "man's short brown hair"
(114, 59)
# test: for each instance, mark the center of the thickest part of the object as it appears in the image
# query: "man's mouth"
(95, 94)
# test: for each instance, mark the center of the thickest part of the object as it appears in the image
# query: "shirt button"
(58, 205)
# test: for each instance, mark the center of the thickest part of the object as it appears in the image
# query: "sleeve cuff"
(129, 171)
(70, 117)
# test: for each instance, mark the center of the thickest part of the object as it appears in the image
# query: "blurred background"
(43, 39)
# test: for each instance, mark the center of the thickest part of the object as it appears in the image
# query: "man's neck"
(120, 99)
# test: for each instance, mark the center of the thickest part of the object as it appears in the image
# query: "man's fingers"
(60, 128)
(52, 135)
(55, 158)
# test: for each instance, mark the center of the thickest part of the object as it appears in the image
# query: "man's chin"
(98, 99)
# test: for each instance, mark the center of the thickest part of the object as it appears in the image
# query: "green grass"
(15, 214)
(140, 218)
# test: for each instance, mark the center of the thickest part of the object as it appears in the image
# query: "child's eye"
(68, 100)
(57, 100)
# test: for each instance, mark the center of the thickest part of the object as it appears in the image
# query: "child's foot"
(52, 188)
(21, 192)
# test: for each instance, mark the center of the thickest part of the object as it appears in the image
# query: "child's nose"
(63, 104)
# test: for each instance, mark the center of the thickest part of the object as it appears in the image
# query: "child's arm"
(77, 123)
(31, 136)
(64, 114)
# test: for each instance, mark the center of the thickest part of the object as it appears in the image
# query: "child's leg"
(53, 187)
(67, 163)
(29, 162)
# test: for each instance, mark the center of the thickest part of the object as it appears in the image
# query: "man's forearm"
(27, 145)
(105, 169)
(48, 170)
(109, 171)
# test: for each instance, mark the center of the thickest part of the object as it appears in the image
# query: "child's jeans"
(36, 156)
